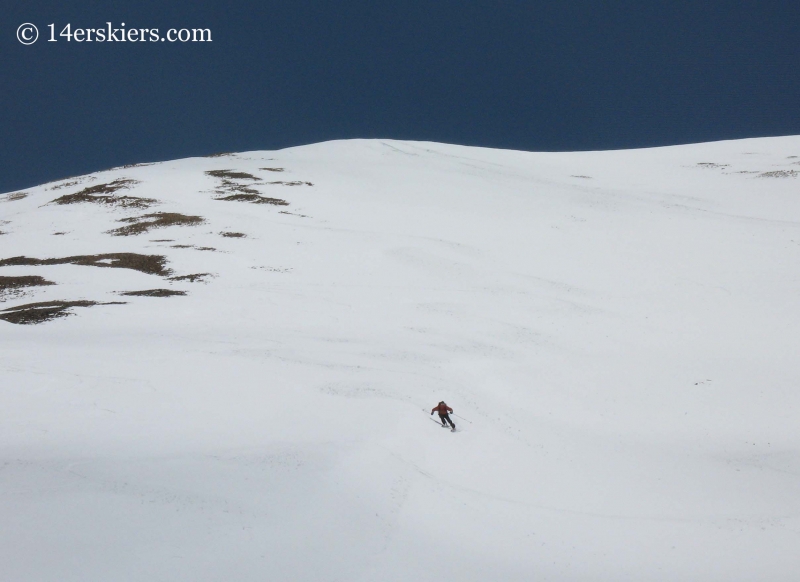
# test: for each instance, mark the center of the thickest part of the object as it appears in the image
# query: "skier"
(444, 415)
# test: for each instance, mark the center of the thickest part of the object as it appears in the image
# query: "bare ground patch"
(193, 278)
(153, 293)
(149, 264)
(146, 222)
(33, 313)
(228, 234)
(273, 169)
(294, 183)
(711, 165)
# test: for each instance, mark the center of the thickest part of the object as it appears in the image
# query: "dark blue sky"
(555, 75)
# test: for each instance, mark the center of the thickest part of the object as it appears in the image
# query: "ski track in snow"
(618, 327)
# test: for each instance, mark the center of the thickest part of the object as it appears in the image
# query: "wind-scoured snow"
(616, 331)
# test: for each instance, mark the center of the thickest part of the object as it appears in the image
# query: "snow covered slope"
(616, 331)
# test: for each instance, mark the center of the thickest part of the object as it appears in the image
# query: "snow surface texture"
(620, 329)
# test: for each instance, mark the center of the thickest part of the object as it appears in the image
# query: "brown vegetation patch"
(227, 186)
(146, 222)
(149, 264)
(9, 283)
(273, 169)
(234, 192)
(193, 247)
(153, 293)
(779, 174)
(273, 269)
(194, 278)
(712, 165)
(104, 194)
(33, 313)
(254, 199)
(233, 234)
(219, 155)
(139, 165)
(14, 196)
(121, 201)
(15, 286)
(110, 187)
(295, 183)
(69, 183)
(231, 175)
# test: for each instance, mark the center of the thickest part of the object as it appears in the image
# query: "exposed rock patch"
(233, 234)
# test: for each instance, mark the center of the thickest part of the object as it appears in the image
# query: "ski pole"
(462, 418)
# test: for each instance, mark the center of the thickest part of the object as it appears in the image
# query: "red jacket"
(441, 408)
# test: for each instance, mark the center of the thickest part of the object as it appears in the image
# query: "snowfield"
(616, 331)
